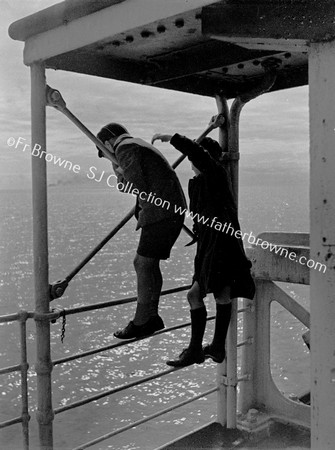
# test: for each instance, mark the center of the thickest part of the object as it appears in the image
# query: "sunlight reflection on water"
(74, 231)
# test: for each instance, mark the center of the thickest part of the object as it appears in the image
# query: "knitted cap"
(212, 147)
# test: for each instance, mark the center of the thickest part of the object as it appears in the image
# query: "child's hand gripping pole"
(55, 99)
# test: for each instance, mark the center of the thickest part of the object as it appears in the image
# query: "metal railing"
(23, 316)
(227, 379)
(257, 386)
(259, 391)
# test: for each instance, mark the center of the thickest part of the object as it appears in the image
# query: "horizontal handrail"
(11, 317)
(10, 422)
(115, 390)
(285, 238)
(10, 369)
(69, 311)
(79, 309)
(145, 419)
(121, 344)
(129, 341)
(17, 368)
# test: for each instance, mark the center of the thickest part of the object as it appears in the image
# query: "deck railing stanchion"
(232, 368)
(222, 106)
(232, 145)
(24, 378)
(245, 400)
(41, 264)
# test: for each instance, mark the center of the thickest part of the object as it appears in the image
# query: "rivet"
(179, 23)
(116, 43)
(145, 33)
(224, 69)
(256, 62)
(198, 16)
(240, 66)
(161, 29)
(129, 38)
(287, 55)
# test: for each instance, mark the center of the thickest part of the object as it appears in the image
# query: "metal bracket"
(54, 98)
(250, 309)
(57, 289)
(246, 377)
(271, 64)
(248, 341)
(228, 381)
(230, 156)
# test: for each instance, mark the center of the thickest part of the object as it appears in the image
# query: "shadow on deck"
(214, 436)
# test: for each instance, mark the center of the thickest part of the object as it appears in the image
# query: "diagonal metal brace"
(55, 99)
(58, 288)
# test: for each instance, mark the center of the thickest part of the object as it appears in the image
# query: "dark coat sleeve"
(217, 178)
(195, 153)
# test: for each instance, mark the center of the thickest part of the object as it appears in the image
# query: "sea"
(79, 217)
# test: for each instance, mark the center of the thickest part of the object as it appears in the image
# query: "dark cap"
(108, 131)
(212, 147)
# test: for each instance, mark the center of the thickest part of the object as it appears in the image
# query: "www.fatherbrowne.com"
(251, 239)
(150, 197)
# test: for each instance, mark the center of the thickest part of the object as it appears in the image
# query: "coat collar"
(121, 138)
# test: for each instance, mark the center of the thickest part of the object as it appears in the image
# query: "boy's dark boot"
(193, 354)
(216, 350)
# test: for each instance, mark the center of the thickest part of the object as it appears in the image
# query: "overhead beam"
(103, 24)
(273, 25)
(101, 66)
(55, 16)
(203, 57)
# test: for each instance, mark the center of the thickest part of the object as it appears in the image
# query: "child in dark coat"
(220, 266)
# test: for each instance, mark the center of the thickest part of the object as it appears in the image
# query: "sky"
(273, 128)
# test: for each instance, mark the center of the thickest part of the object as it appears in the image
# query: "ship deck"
(214, 436)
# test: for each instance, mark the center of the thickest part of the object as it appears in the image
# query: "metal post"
(230, 135)
(235, 112)
(247, 392)
(24, 378)
(223, 109)
(41, 266)
(322, 241)
(233, 145)
(232, 368)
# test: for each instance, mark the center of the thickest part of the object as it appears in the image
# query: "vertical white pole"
(223, 109)
(247, 389)
(232, 368)
(221, 394)
(41, 265)
(228, 138)
(322, 231)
